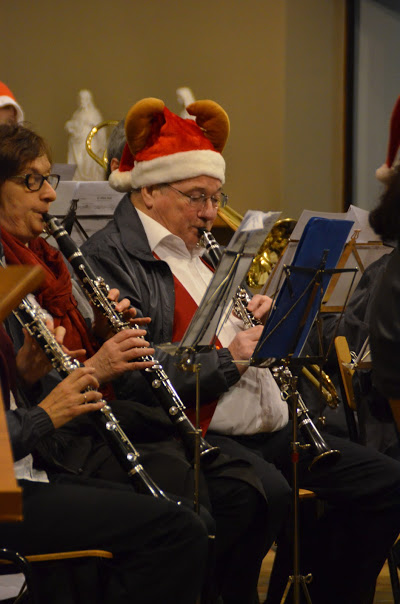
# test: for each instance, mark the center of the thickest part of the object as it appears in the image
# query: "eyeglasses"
(34, 182)
(218, 200)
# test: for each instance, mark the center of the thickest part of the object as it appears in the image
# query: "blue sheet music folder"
(288, 325)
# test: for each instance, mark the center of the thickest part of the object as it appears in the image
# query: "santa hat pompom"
(7, 98)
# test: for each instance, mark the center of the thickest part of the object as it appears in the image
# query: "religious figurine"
(185, 96)
(78, 127)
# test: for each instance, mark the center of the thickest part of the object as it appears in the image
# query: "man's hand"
(118, 354)
(243, 345)
(67, 399)
(259, 305)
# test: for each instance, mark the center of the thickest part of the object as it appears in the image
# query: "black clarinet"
(31, 318)
(323, 454)
(241, 298)
(96, 291)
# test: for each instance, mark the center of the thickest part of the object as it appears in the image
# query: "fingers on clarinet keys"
(84, 398)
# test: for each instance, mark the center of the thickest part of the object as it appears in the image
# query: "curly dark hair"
(19, 146)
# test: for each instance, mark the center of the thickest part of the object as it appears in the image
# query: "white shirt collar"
(157, 235)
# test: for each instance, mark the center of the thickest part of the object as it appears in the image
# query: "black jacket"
(121, 254)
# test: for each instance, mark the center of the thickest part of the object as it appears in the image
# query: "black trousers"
(362, 518)
(160, 549)
(237, 506)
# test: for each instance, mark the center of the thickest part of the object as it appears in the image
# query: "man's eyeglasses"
(34, 182)
(218, 200)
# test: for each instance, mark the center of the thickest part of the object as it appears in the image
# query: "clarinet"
(96, 291)
(31, 318)
(323, 454)
(242, 298)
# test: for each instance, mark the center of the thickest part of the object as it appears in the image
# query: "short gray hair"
(116, 144)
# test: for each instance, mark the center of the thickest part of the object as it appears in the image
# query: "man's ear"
(148, 196)
(114, 164)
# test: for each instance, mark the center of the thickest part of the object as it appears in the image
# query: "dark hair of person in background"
(385, 218)
(19, 146)
(116, 144)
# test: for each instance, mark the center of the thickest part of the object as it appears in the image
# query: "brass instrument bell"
(102, 161)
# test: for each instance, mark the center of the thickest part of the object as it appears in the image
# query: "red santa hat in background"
(385, 172)
(7, 98)
(163, 147)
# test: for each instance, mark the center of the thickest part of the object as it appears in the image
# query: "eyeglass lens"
(34, 182)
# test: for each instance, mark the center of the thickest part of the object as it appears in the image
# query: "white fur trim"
(7, 100)
(120, 181)
(178, 166)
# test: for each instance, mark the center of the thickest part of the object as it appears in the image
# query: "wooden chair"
(25, 564)
(350, 407)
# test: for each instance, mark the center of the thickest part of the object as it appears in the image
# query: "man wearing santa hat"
(173, 172)
(10, 110)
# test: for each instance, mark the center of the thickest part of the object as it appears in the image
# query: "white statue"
(185, 96)
(78, 128)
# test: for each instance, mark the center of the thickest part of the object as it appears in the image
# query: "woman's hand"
(101, 327)
(120, 353)
(69, 399)
(32, 362)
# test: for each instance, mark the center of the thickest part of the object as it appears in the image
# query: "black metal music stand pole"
(187, 364)
(296, 581)
(198, 432)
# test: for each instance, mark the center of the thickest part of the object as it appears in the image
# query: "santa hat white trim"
(170, 168)
(178, 166)
(7, 100)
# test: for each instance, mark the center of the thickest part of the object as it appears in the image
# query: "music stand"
(232, 269)
(285, 334)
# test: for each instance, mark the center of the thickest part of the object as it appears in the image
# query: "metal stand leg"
(296, 581)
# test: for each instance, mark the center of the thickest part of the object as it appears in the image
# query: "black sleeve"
(26, 428)
(385, 331)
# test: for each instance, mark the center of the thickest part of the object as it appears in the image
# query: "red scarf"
(55, 292)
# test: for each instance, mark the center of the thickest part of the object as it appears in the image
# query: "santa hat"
(385, 172)
(163, 147)
(7, 98)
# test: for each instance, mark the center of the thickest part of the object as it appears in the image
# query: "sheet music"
(233, 267)
(297, 305)
(95, 205)
(368, 247)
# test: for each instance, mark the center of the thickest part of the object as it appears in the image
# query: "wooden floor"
(383, 592)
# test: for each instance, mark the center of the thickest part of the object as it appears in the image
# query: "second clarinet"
(96, 291)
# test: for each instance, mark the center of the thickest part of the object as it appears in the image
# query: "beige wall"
(274, 65)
